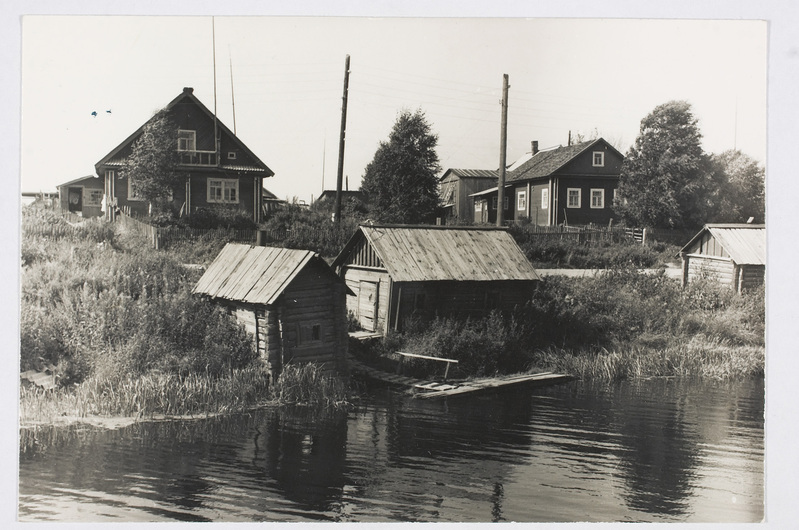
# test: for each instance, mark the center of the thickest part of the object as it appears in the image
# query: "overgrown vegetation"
(618, 324)
(116, 323)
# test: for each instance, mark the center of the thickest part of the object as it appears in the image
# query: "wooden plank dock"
(440, 389)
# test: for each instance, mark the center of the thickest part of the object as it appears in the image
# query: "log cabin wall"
(313, 321)
(719, 269)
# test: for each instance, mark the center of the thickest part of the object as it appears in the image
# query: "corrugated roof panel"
(252, 274)
(433, 254)
(746, 244)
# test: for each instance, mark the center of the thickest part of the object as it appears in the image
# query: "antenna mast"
(232, 96)
(213, 42)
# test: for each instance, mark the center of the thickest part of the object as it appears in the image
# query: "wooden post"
(503, 147)
(340, 173)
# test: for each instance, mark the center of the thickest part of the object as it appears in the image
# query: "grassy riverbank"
(116, 323)
(618, 324)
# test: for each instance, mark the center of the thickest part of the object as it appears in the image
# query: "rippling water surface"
(660, 450)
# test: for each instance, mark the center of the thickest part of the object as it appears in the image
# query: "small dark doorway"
(75, 196)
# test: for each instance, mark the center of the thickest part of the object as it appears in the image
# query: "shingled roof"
(253, 274)
(412, 253)
(544, 163)
(475, 173)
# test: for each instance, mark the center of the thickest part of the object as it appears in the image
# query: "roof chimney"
(534, 145)
(188, 90)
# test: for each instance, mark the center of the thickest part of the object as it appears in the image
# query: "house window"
(223, 190)
(599, 159)
(231, 155)
(573, 200)
(187, 140)
(131, 192)
(597, 198)
(521, 200)
(496, 200)
(309, 333)
(544, 199)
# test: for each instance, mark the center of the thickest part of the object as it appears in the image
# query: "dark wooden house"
(732, 254)
(290, 301)
(83, 196)
(572, 185)
(456, 187)
(220, 171)
(398, 271)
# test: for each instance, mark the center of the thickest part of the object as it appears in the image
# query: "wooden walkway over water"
(439, 389)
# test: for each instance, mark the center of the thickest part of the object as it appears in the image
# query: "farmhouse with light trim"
(220, 171)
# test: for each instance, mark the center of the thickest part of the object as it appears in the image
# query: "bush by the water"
(89, 308)
(618, 323)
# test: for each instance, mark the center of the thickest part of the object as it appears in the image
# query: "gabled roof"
(545, 163)
(413, 253)
(473, 173)
(188, 93)
(745, 243)
(81, 179)
(252, 274)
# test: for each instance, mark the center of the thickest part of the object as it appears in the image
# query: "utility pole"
(503, 147)
(340, 173)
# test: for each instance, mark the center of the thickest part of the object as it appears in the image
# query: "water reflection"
(647, 451)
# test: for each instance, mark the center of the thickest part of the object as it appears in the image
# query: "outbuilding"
(83, 196)
(398, 271)
(732, 254)
(290, 301)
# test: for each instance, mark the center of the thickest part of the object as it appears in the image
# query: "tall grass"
(309, 384)
(617, 324)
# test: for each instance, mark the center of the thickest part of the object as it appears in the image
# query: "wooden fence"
(162, 237)
(581, 234)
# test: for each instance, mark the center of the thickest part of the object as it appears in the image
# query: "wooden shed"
(83, 196)
(290, 301)
(397, 271)
(733, 254)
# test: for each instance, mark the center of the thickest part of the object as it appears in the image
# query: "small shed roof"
(253, 274)
(745, 243)
(438, 253)
(473, 173)
(91, 179)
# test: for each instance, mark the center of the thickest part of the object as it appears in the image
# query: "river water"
(657, 450)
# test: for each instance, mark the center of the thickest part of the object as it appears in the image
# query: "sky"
(284, 78)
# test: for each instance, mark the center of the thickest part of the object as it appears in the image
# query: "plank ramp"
(438, 389)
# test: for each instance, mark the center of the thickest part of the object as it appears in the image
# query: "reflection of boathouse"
(398, 271)
(290, 301)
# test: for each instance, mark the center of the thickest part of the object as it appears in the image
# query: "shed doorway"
(367, 304)
(75, 196)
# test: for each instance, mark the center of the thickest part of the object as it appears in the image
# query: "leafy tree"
(666, 179)
(742, 191)
(401, 178)
(153, 161)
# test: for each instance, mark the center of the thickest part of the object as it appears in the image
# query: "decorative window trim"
(228, 191)
(187, 140)
(599, 159)
(545, 198)
(131, 194)
(569, 203)
(601, 195)
(231, 155)
(521, 200)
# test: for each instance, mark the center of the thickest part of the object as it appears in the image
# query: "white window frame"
(131, 194)
(521, 200)
(231, 155)
(545, 198)
(599, 159)
(189, 136)
(569, 203)
(225, 186)
(601, 195)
